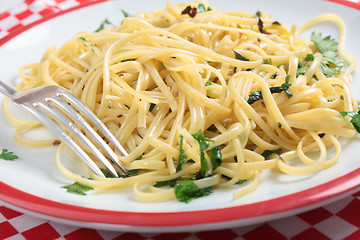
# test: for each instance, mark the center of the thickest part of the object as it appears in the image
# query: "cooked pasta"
(204, 99)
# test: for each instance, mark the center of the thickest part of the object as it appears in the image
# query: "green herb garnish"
(130, 173)
(241, 181)
(238, 56)
(301, 70)
(309, 57)
(103, 25)
(170, 183)
(188, 190)
(126, 14)
(331, 63)
(267, 61)
(215, 157)
(355, 119)
(152, 106)
(8, 156)
(182, 155)
(128, 60)
(203, 144)
(267, 153)
(77, 188)
(257, 95)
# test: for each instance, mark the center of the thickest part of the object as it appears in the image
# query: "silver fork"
(51, 102)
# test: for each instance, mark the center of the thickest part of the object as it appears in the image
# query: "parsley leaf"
(182, 155)
(309, 57)
(257, 95)
(267, 153)
(284, 87)
(203, 143)
(267, 61)
(126, 14)
(331, 63)
(188, 190)
(241, 181)
(8, 156)
(128, 60)
(130, 173)
(215, 157)
(208, 83)
(238, 56)
(201, 8)
(170, 183)
(77, 188)
(301, 70)
(103, 25)
(355, 119)
(152, 106)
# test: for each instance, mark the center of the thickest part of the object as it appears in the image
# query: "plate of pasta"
(231, 114)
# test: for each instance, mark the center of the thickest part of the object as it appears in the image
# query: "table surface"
(339, 220)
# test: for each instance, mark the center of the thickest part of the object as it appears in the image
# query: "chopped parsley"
(331, 63)
(301, 70)
(208, 83)
(188, 190)
(267, 153)
(103, 25)
(182, 155)
(77, 188)
(203, 144)
(185, 189)
(128, 60)
(129, 173)
(267, 61)
(303, 67)
(257, 95)
(215, 157)
(355, 119)
(238, 56)
(170, 183)
(8, 156)
(276, 23)
(152, 106)
(201, 8)
(241, 181)
(85, 42)
(309, 57)
(125, 13)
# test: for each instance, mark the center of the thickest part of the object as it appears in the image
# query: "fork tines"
(59, 107)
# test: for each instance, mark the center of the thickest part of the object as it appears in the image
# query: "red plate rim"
(31, 203)
(321, 193)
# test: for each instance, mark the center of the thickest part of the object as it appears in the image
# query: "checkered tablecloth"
(339, 220)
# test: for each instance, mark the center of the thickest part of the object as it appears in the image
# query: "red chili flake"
(56, 142)
(119, 116)
(321, 135)
(191, 11)
(261, 27)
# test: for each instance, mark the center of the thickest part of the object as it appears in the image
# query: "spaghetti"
(203, 99)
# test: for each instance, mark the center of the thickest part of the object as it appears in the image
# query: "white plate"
(32, 184)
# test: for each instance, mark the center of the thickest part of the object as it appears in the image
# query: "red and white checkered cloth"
(339, 220)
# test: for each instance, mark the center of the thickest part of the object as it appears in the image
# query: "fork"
(56, 108)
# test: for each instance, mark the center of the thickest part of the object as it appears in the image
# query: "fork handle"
(7, 90)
